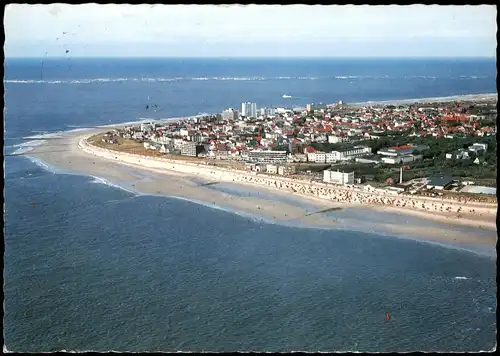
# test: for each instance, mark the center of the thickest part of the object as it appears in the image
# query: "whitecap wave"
(460, 277)
(22, 150)
(91, 80)
(99, 180)
(44, 165)
(249, 78)
(27, 146)
(45, 135)
(29, 143)
(14, 81)
(78, 129)
(150, 79)
(214, 206)
(359, 76)
(238, 78)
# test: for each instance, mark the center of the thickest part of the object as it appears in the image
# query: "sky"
(116, 30)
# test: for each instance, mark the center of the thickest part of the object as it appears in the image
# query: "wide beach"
(272, 203)
(458, 98)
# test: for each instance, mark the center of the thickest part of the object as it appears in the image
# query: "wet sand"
(69, 157)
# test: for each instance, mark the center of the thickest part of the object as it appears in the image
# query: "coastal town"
(421, 148)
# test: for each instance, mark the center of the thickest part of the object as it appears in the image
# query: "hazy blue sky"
(255, 30)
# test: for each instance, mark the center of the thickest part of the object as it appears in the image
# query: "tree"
(280, 148)
(429, 154)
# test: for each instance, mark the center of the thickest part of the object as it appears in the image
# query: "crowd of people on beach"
(340, 194)
(359, 197)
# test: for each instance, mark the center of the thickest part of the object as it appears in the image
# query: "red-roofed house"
(309, 149)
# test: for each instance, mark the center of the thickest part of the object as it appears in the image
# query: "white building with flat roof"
(337, 177)
(400, 159)
(321, 157)
(230, 114)
(147, 126)
(267, 112)
(259, 156)
(478, 147)
(337, 139)
(271, 168)
(352, 153)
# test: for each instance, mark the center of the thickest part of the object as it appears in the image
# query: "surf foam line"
(253, 217)
(425, 240)
(476, 96)
(27, 146)
(99, 180)
(333, 229)
(249, 78)
(45, 135)
(46, 166)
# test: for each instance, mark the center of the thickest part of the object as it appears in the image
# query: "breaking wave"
(45, 166)
(98, 180)
(27, 146)
(250, 216)
(249, 78)
(43, 135)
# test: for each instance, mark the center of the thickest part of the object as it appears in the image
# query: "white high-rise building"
(249, 109)
(266, 112)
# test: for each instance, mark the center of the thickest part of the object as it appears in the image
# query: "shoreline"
(313, 191)
(462, 97)
(178, 183)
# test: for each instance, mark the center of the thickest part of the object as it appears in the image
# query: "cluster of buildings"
(401, 154)
(363, 154)
(249, 110)
(110, 137)
(274, 137)
(463, 153)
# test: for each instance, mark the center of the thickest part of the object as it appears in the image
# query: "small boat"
(286, 96)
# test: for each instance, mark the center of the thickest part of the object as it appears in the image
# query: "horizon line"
(249, 57)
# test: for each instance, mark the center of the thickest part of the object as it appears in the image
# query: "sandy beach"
(463, 98)
(64, 151)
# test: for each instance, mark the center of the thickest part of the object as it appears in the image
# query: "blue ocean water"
(92, 267)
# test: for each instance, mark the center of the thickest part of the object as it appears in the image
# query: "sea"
(91, 266)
